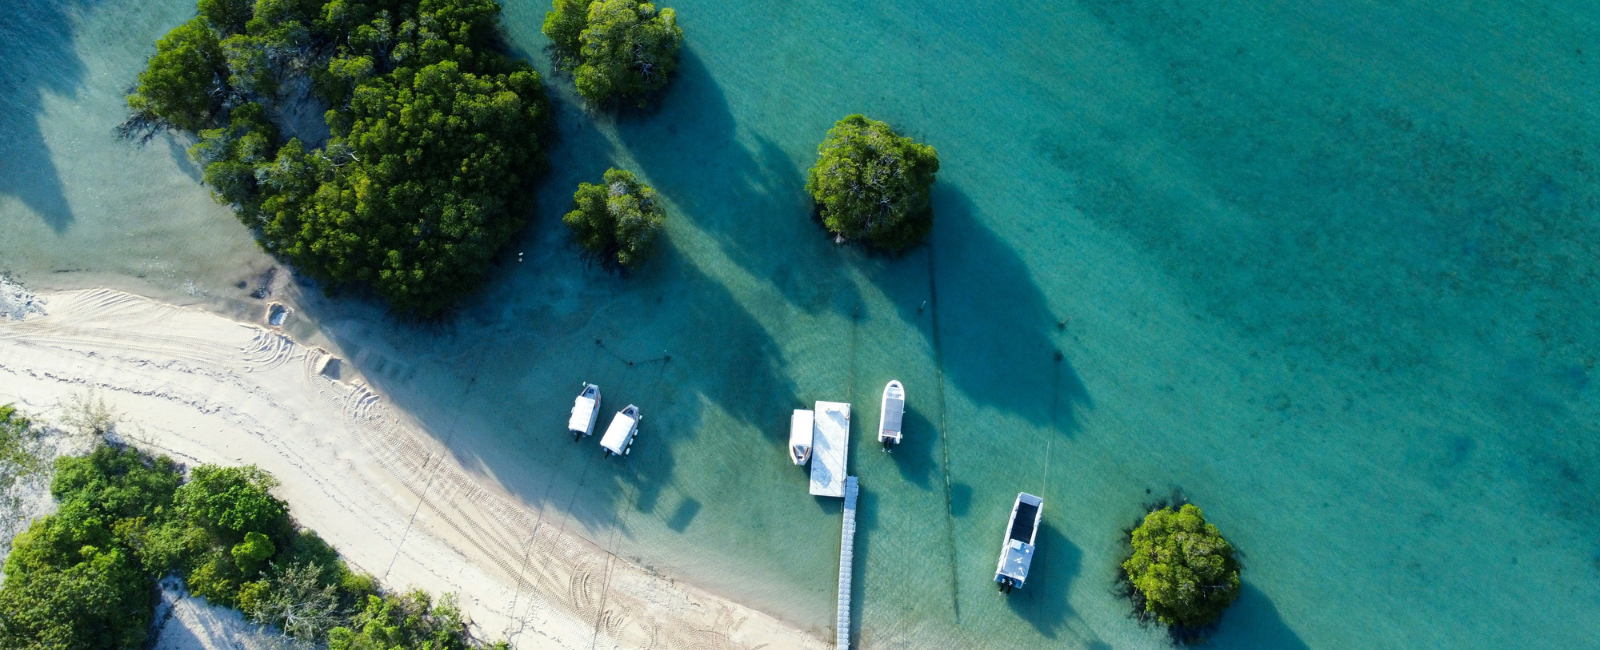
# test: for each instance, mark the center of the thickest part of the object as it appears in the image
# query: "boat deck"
(1015, 559)
(1022, 526)
(828, 449)
(1016, 556)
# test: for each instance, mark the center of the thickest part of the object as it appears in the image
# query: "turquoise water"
(1328, 268)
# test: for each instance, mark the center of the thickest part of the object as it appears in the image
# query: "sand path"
(206, 389)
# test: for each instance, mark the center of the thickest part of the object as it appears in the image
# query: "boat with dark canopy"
(1017, 553)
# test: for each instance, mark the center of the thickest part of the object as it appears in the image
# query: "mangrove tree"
(872, 184)
(435, 135)
(1182, 571)
(616, 221)
(615, 49)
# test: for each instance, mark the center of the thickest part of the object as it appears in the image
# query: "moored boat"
(618, 439)
(585, 411)
(802, 428)
(890, 416)
(1017, 553)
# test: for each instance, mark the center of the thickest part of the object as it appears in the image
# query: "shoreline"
(396, 503)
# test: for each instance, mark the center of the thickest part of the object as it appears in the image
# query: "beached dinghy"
(1017, 554)
(802, 426)
(894, 409)
(585, 411)
(619, 436)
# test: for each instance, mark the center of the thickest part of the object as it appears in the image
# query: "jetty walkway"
(847, 548)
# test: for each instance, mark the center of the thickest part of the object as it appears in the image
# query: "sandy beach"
(205, 389)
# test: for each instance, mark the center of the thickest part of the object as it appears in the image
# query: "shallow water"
(1327, 268)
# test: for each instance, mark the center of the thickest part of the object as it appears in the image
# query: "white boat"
(889, 417)
(619, 436)
(801, 430)
(1017, 554)
(585, 410)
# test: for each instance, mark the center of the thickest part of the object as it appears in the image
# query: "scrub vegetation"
(86, 576)
(872, 185)
(617, 50)
(21, 463)
(1182, 572)
(435, 136)
(617, 221)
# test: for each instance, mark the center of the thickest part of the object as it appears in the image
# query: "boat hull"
(585, 412)
(618, 440)
(802, 429)
(891, 415)
(1016, 552)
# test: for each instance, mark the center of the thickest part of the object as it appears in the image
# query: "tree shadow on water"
(673, 341)
(1254, 622)
(1042, 602)
(721, 357)
(999, 335)
(37, 58)
(750, 198)
(1001, 343)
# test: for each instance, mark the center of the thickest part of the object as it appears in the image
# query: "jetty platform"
(847, 552)
(829, 447)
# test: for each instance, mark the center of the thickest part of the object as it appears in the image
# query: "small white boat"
(889, 417)
(1017, 553)
(585, 411)
(802, 427)
(619, 436)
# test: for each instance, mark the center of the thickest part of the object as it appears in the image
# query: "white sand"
(205, 389)
(185, 622)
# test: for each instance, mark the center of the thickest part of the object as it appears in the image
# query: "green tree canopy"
(182, 84)
(296, 599)
(227, 17)
(21, 461)
(231, 155)
(16, 434)
(616, 221)
(232, 501)
(116, 483)
(564, 25)
(253, 552)
(97, 600)
(616, 49)
(411, 620)
(85, 576)
(71, 581)
(872, 184)
(436, 135)
(420, 201)
(1182, 568)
